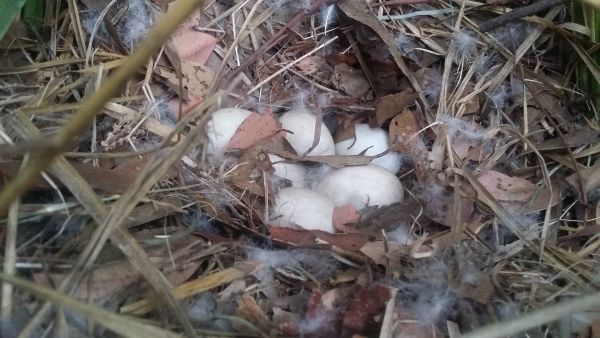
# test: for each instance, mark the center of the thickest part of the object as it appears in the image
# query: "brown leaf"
(359, 11)
(519, 195)
(345, 129)
(403, 135)
(104, 281)
(590, 177)
(249, 310)
(472, 105)
(376, 251)
(248, 174)
(404, 138)
(108, 279)
(375, 219)
(188, 43)
(255, 127)
(438, 203)
(310, 65)
(391, 105)
(577, 138)
(506, 188)
(351, 81)
(111, 181)
(345, 214)
(367, 303)
(195, 79)
(352, 241)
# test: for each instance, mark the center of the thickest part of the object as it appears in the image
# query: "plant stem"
(93, 105)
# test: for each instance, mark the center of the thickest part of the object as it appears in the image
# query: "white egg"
(305, 208)
(301, 123)
(294, 172)
(361, 186)
(375, 141)
(220, 129)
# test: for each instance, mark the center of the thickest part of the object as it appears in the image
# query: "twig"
(361, 61)
(536, 318)
(119, 324)
(289, 65)
(10, 257)
(278, 37)
(95, 207)
(518, 13)
(93, 105)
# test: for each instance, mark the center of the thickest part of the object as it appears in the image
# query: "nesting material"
(305, 208)
(295, 173)
(362, 186)
(301, 126)
(375, 141)
(221, 128)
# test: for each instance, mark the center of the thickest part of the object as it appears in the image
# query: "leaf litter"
(498, 151)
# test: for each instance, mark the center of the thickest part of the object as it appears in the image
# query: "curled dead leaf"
(391, 105)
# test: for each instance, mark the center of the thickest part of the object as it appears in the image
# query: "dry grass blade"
(186, 290)
(118, 324)
(515, 227)
(142, 208)
(537, 317)
(10, 257)
(86, 196)
(92, 106)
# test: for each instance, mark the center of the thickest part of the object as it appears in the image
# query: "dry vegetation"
(132, 230)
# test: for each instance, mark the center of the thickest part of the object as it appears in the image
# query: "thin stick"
(93, 105)
(289, 65)
(519, 13)
(10, 257)
(114, 322)
(277, 37)
(536, 318)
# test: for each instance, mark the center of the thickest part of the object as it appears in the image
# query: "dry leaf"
(389, 217)
(102, 282)
(438, 203)
(350, 242)
(516, 194)
(345, 129)
(463, 145)
(255, 127)
(249, 310)
(249, 172)
(359, 11)
(472, 105)
(195, 79)
(576, 138)
(351, 81)
(404, 137)
(590, 177)
(188, 43)
(310, 65)
(367, 303)
(391, 105)
(111, 181)
(507, 188)
(376, 251)
(345, 214)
